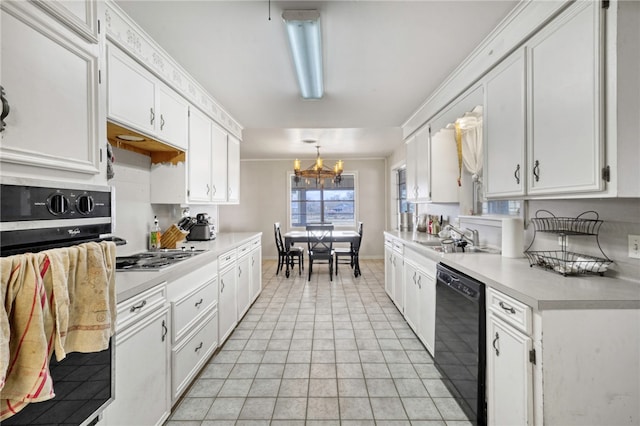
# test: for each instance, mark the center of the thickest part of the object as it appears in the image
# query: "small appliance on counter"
(201, 229)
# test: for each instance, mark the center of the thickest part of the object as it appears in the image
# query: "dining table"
(292, 237)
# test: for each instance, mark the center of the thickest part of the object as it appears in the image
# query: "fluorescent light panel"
(305, 41)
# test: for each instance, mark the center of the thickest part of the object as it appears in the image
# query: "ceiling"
(382, 60)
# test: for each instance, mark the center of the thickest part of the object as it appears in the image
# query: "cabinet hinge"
(532, 356)
(606, 173)
(605, 4)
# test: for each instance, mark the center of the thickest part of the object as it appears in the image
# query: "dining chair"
(320, 246)
(350, 255)
(287, 255)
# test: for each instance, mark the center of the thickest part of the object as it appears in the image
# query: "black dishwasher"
(460, 339)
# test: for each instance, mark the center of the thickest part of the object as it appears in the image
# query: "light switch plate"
(634, 246)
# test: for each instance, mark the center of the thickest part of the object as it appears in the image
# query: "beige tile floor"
(320, 352)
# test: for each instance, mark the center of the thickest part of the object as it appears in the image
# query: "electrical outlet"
(634, 246)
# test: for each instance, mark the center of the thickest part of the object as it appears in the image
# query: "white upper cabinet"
(505, 128)
(564, 62)
(233, 170)
(50, 75)
(79, 15)
(432, 163)
(219, 164)
(138, 100)
(199, 158)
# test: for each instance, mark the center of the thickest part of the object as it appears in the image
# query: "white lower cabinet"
(243, 292)
(398, 275)
(509, 373)
(194, 331)
(420, 296)
(142, 367)
(227, 304)
(256, 270)
(192, 352)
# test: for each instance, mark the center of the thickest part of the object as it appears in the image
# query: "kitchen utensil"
(202, 232)
(173, 236)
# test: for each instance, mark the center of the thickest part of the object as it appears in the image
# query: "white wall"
(263, 201)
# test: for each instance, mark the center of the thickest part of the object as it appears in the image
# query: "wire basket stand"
(563, 261)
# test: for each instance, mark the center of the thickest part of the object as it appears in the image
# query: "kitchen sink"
(468, 249)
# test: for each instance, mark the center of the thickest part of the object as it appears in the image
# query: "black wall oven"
(460, 340)
(36, 216)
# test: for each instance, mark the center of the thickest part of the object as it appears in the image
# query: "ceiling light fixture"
(318, 170)
(305, 41)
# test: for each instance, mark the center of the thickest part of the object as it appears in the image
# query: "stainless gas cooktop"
(154, 260)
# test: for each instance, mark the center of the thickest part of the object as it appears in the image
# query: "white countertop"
(130, 283)
(539, 288)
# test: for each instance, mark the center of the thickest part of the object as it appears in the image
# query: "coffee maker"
(203, 229)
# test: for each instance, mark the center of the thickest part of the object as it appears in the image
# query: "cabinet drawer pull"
(152, 116)
(494, 344)
(198, 303)
(536, 170)
(507, 308)
(138, 306)
(5, 109)
(516, 174)
(199, 347)
(165, 330)
(161, 122)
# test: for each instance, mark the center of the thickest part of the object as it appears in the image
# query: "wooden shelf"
(157, 151)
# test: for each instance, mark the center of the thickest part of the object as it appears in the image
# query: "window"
(323, 202)
(403, 205)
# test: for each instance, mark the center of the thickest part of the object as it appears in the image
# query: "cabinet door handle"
(222, 286)
(536, 170)
(138, 306)
(198, 303)
(414, 278)
(420, 282)
(495, 341)
(161, 121)
(214, 190)
(208, 189)
(239, 271)
(5, 109)
(165, 330)
(516, 174)
(199, 347)
(152, 116)
(507, 308)
(253, 261)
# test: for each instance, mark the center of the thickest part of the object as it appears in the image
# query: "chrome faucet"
(469, 235)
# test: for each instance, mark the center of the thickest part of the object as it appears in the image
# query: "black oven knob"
(57, 204)
(85, 204)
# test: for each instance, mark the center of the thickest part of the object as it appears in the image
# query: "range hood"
(121, 137)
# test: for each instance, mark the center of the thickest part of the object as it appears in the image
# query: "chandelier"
(318, 170)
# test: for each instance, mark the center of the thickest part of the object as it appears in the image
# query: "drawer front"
(398, 247)
(257, 242)
(510, 310)
(138, 307)
(187, 310)
(226, 259)
(186, 284)
(244, 249)
(190, 356)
